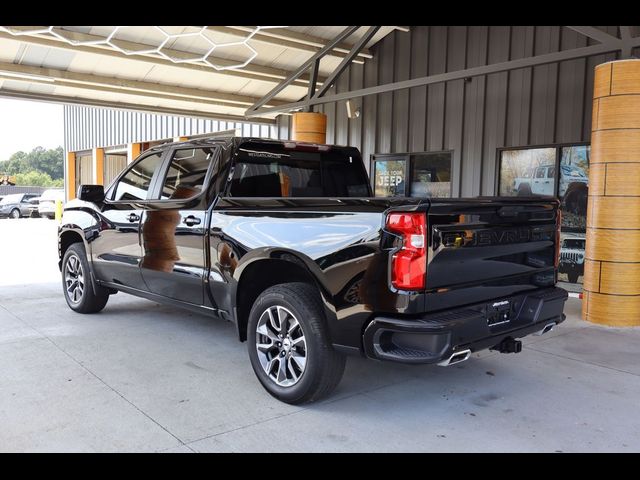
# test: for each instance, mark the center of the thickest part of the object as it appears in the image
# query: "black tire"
(324, 366)
(524, 190)
(573, 277)
(15, 213)
(87, 301)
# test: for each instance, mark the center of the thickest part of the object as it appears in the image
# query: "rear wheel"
(573, 277)
(76, 282)
(289, 347)
(524, 190)
(15, 213)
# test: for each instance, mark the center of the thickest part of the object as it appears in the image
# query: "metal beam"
(61, 99)
(627, 47)
(596, 34)
(312, 83)
(303, 68)
(66, 78)
(346, 61)
(251, 71)
(457, 75)
(291, 39)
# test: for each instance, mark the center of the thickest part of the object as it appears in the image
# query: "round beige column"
(612, 264)
(309, 127)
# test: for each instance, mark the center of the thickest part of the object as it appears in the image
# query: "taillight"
(558, 227)
(409, 263)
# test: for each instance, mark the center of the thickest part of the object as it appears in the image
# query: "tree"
(49, 161)
(37, 179)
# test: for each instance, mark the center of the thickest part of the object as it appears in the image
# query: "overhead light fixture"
(27, 76)
(352, 111)
(160, 47)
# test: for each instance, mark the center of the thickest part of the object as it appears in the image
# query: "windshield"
(15, 198)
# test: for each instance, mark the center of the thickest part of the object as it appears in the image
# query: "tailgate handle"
(510, 211)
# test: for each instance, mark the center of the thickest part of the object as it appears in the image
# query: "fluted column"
(612, 264)
(309, 127)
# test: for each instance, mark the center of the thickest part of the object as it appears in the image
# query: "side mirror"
(91, 193)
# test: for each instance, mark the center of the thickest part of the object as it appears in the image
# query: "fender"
(284, 255)
(84, 221)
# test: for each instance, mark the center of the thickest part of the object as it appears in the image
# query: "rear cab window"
(277, 170)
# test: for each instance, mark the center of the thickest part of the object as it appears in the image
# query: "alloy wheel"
(74, 279)
(281, 346)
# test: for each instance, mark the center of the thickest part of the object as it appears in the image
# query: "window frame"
(406, 156)
(558, 158)
(165, 163)
(111, 189)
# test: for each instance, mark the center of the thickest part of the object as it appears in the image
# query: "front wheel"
(289, 347)
(15, 213)
(76, 282)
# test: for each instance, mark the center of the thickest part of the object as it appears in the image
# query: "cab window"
(187, 172)
(134, 185)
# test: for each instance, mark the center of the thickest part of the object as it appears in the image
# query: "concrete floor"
(145, 377)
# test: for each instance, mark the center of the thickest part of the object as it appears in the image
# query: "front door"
(173, 237)
(116, 250)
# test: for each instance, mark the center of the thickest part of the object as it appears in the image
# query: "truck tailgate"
(487, 248)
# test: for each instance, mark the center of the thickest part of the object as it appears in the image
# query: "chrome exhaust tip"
(547, 328)
(456, 357)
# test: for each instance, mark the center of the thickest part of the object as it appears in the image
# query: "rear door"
(173, 227)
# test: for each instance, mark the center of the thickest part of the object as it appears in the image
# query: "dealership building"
(441, 111)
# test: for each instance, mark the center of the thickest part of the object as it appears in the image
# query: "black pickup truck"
(285, 240)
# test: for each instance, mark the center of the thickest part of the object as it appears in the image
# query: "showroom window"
(561, 171)
(413, 175)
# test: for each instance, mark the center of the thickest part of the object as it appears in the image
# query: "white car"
(47, 205)
(572, 188)
(536, 181)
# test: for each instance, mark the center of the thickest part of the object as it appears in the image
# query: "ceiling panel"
(105, 61)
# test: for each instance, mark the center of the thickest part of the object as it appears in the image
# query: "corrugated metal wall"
(531, 106)
(91, 127)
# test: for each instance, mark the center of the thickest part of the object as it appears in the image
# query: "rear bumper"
(436, 337)
(46, 209)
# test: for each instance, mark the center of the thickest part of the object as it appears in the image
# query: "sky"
(25, 125)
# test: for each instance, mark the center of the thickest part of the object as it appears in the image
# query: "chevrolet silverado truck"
(285, 240)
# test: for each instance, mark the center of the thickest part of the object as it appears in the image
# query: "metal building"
(435, 110)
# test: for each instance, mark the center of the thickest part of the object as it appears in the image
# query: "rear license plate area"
(499, 313)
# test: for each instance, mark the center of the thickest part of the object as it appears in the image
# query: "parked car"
(572, 186)
(572, 257)
(47, 205)
(16, 205)
(33, 207)
(285, 240)
(536, 181)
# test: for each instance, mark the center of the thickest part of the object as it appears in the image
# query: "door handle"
(191, 221)
(133, 217)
